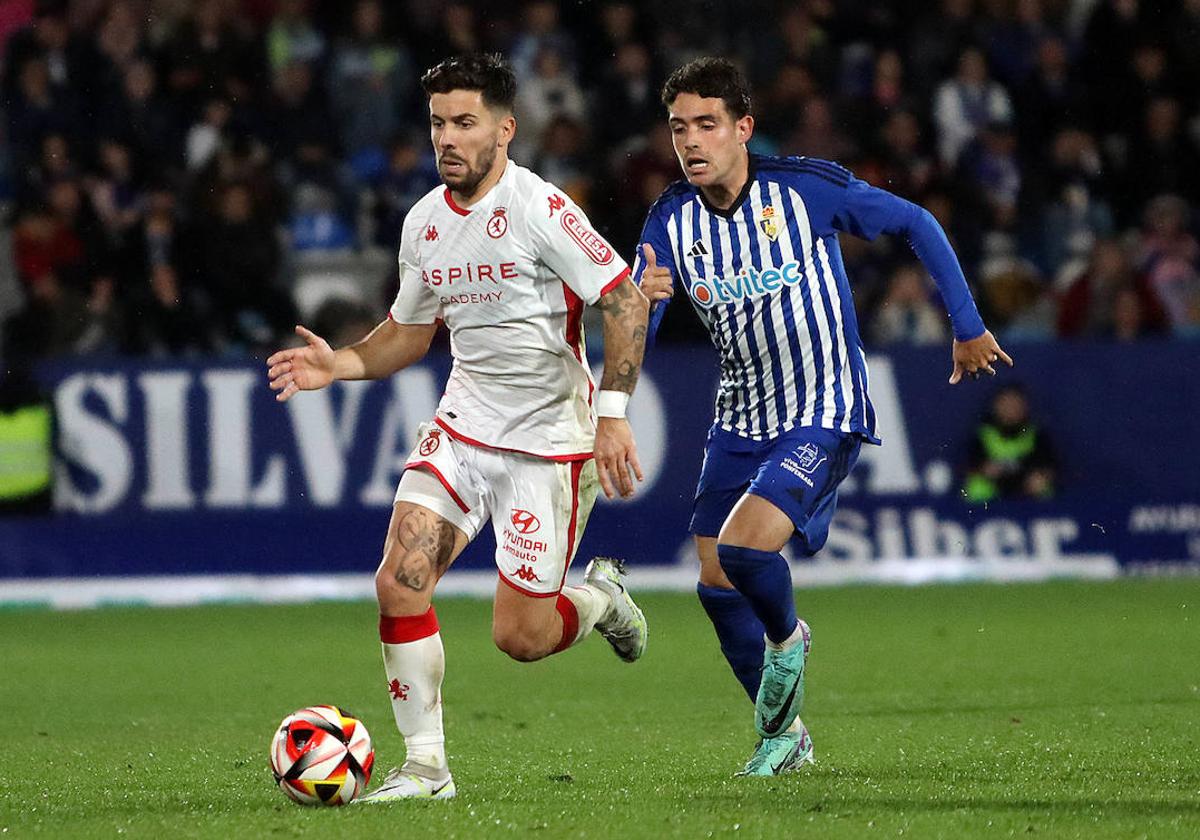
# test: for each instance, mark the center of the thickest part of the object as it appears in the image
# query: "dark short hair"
(487, 73)
(710, 77)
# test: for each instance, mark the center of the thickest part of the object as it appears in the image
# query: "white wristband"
(611, 403)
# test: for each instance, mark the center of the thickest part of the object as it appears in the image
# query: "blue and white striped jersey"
(766, 277)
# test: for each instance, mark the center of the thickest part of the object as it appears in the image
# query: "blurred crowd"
(172, 169)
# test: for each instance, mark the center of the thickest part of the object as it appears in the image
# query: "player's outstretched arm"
(867, 211)
(625, 309)
(388, 348)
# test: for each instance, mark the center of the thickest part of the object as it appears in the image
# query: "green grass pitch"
(1052, 710)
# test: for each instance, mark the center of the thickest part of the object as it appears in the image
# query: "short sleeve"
(654, 234)
(415, 302)
(566, 242)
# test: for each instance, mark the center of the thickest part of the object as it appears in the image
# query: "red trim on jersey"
(570, 620)
(525, 591)
(425, 465)
(616, 281)
(453, 206)
(576, 471)
(575, 458)
(399, 629)
(574, 318)
(572, 332)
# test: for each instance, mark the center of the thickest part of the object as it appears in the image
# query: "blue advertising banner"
(193, 468)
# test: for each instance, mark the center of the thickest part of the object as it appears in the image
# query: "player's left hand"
(977, 356)
(656, 279)
(615, 454)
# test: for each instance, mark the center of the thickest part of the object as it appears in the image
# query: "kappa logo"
(527, 574)
(591, 242)
(431, 233)
(809, 457)
(399, 690)
(431, 442)
(497, 226)
(524, 521)
(557, 202)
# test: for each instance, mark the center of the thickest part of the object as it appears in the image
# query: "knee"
(399, 598)
(519, 644)
(729, 557)
(711, 574)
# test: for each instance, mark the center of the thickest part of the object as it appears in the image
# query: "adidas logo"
(698, 249)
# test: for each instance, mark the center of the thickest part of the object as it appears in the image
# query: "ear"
(745, 129)
(508, 130)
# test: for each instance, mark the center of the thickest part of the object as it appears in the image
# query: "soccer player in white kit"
(507, 262)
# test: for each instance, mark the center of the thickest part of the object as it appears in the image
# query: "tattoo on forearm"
(625, 311)
(425, 542)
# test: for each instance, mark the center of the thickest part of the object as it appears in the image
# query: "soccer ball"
(322, 756)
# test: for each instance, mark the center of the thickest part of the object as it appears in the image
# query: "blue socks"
(739, 631)
(764, 578)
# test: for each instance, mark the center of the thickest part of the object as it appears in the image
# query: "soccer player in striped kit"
(752, 241)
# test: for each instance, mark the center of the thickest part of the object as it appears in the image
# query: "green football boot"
(781, 692)
(787, 753)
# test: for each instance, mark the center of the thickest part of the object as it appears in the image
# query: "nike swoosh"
(445, 785)
(791, 754)
(772, 726)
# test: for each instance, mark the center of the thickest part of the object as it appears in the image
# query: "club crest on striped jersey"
(768, 223)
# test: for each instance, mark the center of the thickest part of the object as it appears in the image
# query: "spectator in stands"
(239, 274)
(322, 197)
(562, 158)
(626, 102)
(1088, 308)
(966, 103)
(292, 38)
(168, 322)
(298, 108)
(1013, 45)
(1169, 255)
(1163, 159)
(549, 93)
(370, 82)
(26, 443)
(990, 161)
(1009, 456)
(1049, 98)
(207, 57)
(541, 31)
(138, 112)
(906, 315)
(409, 175)
(205, 137)
(36, 110)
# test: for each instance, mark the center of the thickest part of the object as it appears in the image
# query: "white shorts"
(538, 507)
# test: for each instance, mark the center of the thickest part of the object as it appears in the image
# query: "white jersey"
(509, 277)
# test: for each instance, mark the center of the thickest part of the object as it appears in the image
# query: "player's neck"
(723, 193)
(484, 187)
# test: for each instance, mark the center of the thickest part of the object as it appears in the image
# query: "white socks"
(580, 607)
(797, 636)
(415, 663)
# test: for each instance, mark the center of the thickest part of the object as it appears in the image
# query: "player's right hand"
(656, 279)
(305, 368)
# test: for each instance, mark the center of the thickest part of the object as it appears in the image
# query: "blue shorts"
(798, 472)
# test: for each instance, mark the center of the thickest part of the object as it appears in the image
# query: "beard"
(466, 182)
